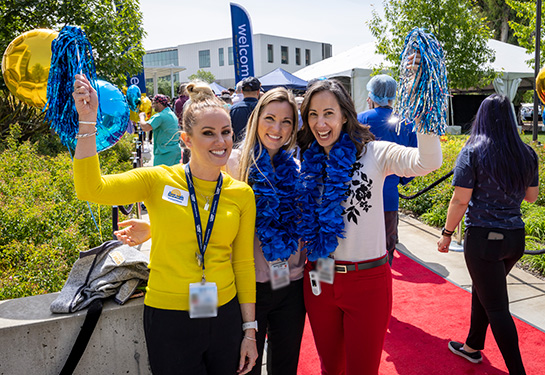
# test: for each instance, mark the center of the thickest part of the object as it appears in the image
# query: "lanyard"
(196, 215)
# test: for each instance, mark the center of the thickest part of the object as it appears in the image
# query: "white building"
(216, 56)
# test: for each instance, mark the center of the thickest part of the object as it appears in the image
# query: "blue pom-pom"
(425, 99)
(71, 54)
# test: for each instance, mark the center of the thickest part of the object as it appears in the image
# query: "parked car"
(527, 111)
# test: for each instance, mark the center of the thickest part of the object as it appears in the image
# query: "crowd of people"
(288, 208)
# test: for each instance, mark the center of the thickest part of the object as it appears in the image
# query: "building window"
(284, 55)
(326, 51)
(270, 53)
(298, 56)
(161, 58)
(204, 59)
(220, 55)
(230, 56)
(307, 57)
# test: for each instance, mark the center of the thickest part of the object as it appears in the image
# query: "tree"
(498, 14)
(525, 30)
(163, 87)
(202, 75)
(455, 23)
(114, 30)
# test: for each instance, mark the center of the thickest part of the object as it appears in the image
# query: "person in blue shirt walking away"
(384, 125)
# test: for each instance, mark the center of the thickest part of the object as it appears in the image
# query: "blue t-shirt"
(490, 206)
(379, 121)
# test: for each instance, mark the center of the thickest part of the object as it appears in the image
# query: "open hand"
(135, 233)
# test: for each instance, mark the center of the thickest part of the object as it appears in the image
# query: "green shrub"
(30, 120)
(44, 225)
(431, 204)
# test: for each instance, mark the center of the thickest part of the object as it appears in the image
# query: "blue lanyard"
(196, 215)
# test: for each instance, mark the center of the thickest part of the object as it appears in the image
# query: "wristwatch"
(249, 325)
(447, 233)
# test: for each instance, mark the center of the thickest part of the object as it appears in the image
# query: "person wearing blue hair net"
(382, 93)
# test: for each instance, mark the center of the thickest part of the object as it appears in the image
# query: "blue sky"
(342, 23)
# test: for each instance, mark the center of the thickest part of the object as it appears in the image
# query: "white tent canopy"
(155, 72)
(511, 60)
(358, 64)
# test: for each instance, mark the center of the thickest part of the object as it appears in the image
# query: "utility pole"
(537, 68)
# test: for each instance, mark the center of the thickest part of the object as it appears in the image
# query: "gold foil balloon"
(135, 117)
(145, 106)
(540, 85)
(25, 66)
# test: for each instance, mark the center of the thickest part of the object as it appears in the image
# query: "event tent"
(358, 63)
(279, 77)
(217, 88)
(154, 72)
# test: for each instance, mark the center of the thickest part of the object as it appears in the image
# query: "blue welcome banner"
(138, 80)
(242, 43)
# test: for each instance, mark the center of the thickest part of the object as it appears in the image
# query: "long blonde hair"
(251, 137)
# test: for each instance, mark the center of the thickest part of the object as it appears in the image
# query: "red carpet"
(428, 312)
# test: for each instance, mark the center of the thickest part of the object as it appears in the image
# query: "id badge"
(280, 275)
(326, 270)
(203, 300)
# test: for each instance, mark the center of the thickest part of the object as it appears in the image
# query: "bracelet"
(85, 135)
(87, 122)
(250, 338)
(446, 232)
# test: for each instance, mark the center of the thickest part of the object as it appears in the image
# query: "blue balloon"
(113, 116)
(133, 97)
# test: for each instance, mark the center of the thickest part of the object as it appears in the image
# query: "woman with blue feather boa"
(348, 282)
(265, 160)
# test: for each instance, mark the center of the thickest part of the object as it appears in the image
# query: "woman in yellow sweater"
(265, 160)
(200, 303)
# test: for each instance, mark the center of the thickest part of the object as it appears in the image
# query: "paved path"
(526, 292)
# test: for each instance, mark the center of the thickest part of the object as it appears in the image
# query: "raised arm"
(86, 99)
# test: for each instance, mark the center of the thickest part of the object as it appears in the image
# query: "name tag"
(176, 195)
(325, 268)
(280, 275)
(203, 300)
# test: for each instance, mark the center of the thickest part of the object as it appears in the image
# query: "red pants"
(349, 320)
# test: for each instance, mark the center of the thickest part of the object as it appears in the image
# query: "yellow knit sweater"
(229, 259)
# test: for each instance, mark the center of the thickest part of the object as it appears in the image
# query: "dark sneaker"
(458, 349)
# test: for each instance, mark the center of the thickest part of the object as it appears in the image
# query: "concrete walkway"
(419, 242)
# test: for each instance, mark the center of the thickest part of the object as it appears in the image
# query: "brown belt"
(344, 268)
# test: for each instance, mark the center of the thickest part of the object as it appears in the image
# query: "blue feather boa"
(322, 214)
(275, 195)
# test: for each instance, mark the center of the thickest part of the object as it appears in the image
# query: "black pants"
(489, 262)
(280, 315)
(391, 220)
(178, 344)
